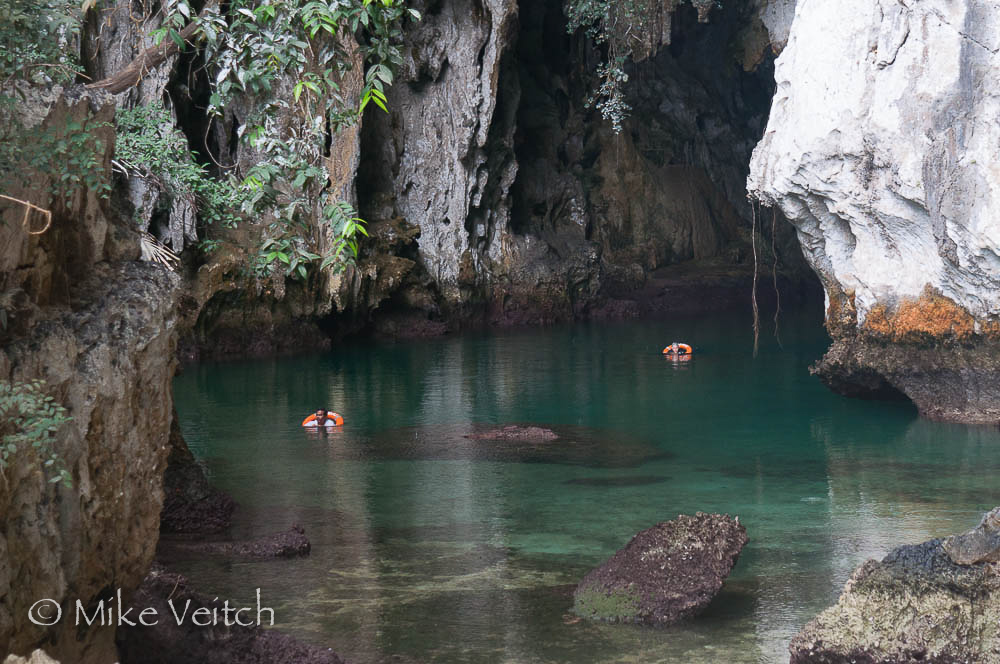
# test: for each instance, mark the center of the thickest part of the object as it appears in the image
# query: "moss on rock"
(666, 573)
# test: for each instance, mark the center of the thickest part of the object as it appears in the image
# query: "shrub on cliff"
(29, 420)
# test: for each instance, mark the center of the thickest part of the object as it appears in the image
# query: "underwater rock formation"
(291, 543)
(168, 642)
(916, 605)
(562, 444)
(664, 574)
(516, 432)
(879, 150)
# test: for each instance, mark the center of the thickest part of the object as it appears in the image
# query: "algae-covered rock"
(664, 574)
(916, 605)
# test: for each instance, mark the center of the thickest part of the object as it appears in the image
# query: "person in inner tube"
(322, 419)
(674, 350)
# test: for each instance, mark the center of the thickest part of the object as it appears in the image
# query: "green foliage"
(68, 153)
(29, 420)
(37, 40)
(150, 146)
(254, 49)
(39, 45)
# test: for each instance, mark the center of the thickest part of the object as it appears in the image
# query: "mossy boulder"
(665, 573)
(916, 605)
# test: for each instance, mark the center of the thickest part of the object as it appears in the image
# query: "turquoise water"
(429, 546)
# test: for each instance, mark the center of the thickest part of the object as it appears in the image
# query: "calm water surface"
(429, 547)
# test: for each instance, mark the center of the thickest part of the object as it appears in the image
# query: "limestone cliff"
(880, 149)
(97, 326)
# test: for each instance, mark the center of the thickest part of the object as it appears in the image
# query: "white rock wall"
(882, 146)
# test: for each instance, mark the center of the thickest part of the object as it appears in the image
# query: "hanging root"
(753, 296)
(774, 275)
(155, 251)
(28, 209)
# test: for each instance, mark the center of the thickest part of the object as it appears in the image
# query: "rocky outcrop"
(979, 545)
(879, 150)
(114, 34)
(666, 573)
(916, 605)
(37, 657)
(447, 172)
(191, 505)
(99, 328)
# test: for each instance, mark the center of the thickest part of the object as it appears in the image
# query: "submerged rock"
(664, 574)
(168, 642)
(190, 503)
(571, 445)
(515, 432)
(291, 543)
(628, 480)
(916, 605)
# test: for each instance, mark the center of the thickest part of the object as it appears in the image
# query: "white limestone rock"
(881, 149)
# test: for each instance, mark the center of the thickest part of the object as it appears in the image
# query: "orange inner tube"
(682, 349)
(336, 417)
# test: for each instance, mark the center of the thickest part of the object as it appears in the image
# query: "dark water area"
(431, 546)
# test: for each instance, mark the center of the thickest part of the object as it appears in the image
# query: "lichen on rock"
(916, 605)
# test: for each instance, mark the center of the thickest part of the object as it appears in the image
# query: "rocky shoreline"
(951, 381)
(934, 603)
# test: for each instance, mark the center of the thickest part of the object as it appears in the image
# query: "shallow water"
(429, 546)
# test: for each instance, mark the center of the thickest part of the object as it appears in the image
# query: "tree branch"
(139, 68)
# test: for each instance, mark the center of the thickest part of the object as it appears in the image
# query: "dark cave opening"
(696, 115)
(604, 214)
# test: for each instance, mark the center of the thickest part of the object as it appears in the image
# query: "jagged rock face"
(98, 327)
(431, 165)
(530, 208)
(916, 605)
(880, 150)
(665, 573)
(37, 657)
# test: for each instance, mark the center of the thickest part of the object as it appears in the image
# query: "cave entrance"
(671, 187)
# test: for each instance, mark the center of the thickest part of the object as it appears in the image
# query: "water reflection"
(429, 545)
